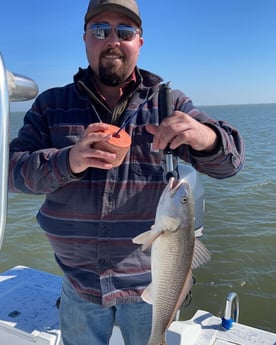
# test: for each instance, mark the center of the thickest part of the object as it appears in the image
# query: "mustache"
(112, 51)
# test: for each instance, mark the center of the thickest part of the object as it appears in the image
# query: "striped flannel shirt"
(90, 219)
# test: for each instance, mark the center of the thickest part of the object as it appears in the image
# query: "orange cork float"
(118, 144)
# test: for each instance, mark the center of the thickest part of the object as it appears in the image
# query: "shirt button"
(101, 265)
(104, 231)
(101, 262)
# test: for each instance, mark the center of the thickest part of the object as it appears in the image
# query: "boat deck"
(205, 329)
(29, 314)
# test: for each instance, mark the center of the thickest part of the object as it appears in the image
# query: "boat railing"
(231, 311)
(13, 88)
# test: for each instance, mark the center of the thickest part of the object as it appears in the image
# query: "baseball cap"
(126, 7)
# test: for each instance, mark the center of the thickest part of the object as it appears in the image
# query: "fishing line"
(127, 121)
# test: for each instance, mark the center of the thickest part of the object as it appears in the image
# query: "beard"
(113, 74)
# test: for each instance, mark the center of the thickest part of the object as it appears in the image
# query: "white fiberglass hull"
(29, 315)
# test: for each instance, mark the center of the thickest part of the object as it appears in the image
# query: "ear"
(84, 36)
(141, 41)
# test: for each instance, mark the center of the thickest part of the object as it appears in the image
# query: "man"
(91, 210)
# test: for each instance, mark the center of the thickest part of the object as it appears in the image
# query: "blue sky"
(216, 51)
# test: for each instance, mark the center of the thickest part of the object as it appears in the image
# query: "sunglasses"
(124, 32)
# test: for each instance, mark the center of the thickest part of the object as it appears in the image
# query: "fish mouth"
(174, 184)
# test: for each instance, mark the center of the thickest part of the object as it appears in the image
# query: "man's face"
(113, 60)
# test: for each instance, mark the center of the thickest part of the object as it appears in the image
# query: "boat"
(29, 314)
(29, 298)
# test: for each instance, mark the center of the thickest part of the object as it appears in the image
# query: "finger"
(166, 131)
(98, 163)
(97, 137)
(89, 138)
(152, 129)
(163, 137)
(99, 158)
(96, 127)
(180, 139)
(98, 153)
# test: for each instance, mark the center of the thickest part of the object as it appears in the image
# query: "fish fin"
(184, 292)
(147, 294)
(201, 254)
(146, 238)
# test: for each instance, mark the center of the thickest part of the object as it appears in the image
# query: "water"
(240, 224)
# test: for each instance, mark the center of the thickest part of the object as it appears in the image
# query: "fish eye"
(183, 200)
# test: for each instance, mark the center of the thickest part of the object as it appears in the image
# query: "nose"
(113, 38)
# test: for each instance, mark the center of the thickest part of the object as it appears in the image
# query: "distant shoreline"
(199, 106)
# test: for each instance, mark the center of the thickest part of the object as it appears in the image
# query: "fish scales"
(174, 261)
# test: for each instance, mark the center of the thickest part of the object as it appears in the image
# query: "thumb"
(152, 129)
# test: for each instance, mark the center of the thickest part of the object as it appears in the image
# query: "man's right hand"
(82, 155)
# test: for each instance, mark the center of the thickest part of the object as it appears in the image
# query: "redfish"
(174, 253)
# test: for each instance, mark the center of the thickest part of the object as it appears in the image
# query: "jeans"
(86, 323)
